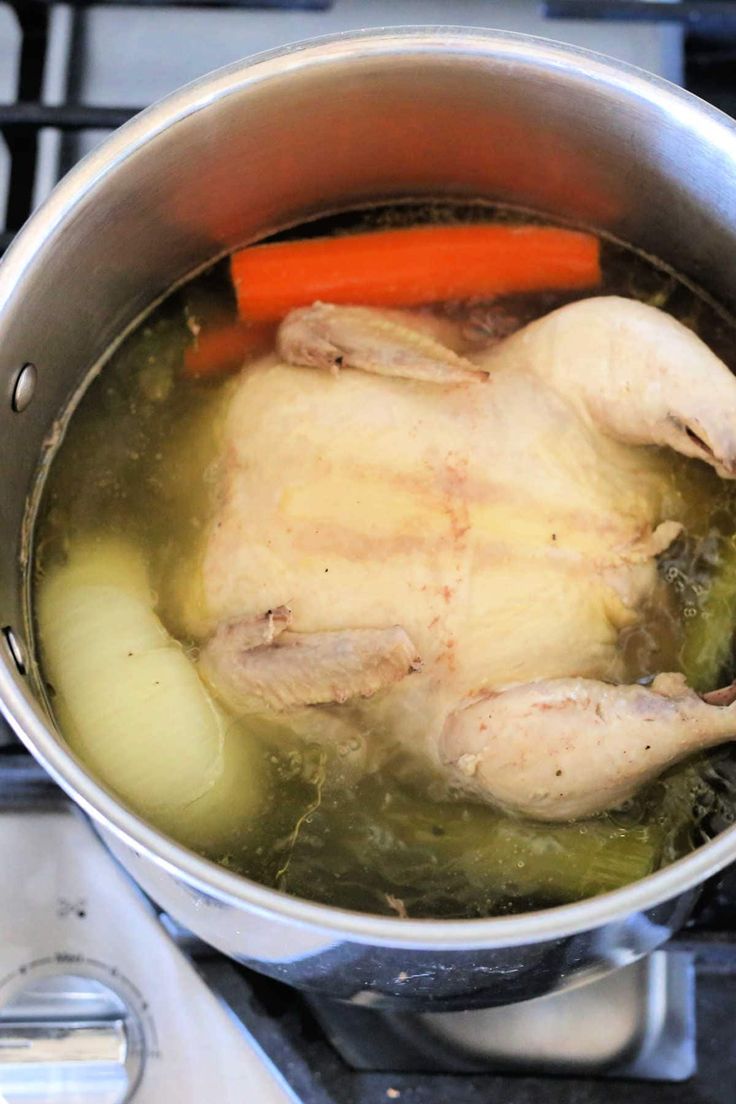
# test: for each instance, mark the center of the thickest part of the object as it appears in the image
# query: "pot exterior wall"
(412, 979)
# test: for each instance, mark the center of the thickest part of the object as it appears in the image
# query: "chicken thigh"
(452, 548)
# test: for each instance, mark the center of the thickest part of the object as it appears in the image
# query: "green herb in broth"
(140, 458)
(709, 610)
(390, 849)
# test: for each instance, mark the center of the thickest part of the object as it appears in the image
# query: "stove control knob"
(69, 1038)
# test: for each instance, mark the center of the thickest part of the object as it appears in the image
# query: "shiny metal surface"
(637, 1022)
(24, 388)
(270, 142)
(72, 1035)
(53, 1044)
(199, 44)
(98, 1004)
(14, 649)
(91, 49)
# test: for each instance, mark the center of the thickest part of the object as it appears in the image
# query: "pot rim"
(29, 722)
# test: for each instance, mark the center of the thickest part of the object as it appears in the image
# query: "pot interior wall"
(261, 147)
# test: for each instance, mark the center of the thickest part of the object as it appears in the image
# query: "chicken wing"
(292, 669)
(335, 337)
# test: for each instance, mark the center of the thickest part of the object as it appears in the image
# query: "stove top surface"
(102, 997)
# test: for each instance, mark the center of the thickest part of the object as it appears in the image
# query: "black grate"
(21, 122)
(710, 37)
(710, 70)
(718, 15)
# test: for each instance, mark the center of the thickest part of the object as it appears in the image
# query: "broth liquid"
(139, 458)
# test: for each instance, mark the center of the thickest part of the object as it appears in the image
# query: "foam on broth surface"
(140, 460)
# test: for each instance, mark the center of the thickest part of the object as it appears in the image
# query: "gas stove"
(105, 999)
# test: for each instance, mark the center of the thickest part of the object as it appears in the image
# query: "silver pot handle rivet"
(15, 649)
(24, 388)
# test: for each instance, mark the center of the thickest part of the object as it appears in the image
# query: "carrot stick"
(421, 264)
(219, 350)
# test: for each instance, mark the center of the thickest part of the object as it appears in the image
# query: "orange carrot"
(421, 264)
(221, 349)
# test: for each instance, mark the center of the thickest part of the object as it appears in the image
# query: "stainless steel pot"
(255, 147)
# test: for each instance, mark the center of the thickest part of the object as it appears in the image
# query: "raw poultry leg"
(636, 372)
(563, 748)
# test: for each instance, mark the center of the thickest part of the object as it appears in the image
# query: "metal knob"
(69, 1038)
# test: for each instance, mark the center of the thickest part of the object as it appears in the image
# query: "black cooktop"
(289, 1033)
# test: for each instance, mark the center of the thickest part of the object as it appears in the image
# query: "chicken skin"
(450, 547)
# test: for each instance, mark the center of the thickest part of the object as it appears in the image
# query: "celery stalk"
(708, 636)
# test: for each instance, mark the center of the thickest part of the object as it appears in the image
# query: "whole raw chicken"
(451, 548)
